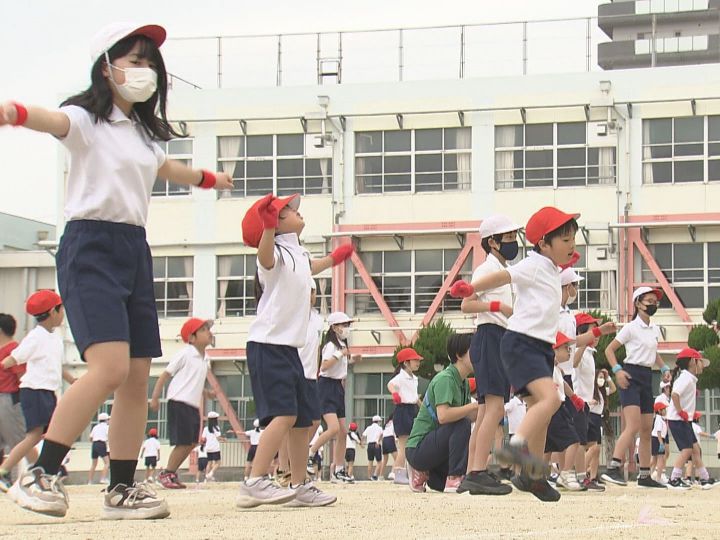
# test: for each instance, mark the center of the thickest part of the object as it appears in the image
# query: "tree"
(431, 344)
(711, 315)
(710, 377)
(701, 337)
(704, 339)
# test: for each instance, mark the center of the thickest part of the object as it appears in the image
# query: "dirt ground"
(391, 512)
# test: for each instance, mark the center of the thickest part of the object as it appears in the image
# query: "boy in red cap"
(188, 371)
(151, 452)
(42, 352)
(283, 400)
(526, 346)
(351, 442)
(659, 433)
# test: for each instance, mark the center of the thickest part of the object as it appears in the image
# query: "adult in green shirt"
(437, 449)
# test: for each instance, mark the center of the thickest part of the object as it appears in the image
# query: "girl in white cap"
(111, 132)
(211, 438)
(99, 438)
(634, 378)
(253, 436)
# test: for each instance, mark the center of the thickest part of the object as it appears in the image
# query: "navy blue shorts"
(403, 418)
(561, 432)
(313, 398)
(640, 391)
(374, 452)
(332, 396)
(98, 450)
(581, 422)
(278, 383)
(214, 456)
(388, 445)
(683, 434)
(525, 359)
(654, 446)
(202, 464)
(490, 375)
(37, 407)
(183, 423)
(105, 278)
(350, 455)
(595, 428)
(151, 461)
(251, 453)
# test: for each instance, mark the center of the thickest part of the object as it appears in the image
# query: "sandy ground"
(392, 512)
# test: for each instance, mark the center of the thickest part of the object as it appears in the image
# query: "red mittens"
(461, 289)
(684, 415)
(342, 253)
(396, 398)
(267, 212)
(577, 402)
(575, 258)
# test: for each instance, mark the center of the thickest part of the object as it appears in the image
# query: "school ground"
(390, 511)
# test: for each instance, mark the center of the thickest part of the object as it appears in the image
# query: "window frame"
(164, 313)
(171, 190)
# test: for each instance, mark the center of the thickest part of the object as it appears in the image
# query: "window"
(550, 155)
(173, 281)
(692, 269)
(180, 150)
(412, 160)
(236, 285)
(261, 164)
(238, 390)
(408, 280)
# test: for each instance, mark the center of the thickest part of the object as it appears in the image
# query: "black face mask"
(509, 250)
(651, 309)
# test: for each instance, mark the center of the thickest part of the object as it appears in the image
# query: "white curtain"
(505, 160)
(327, 181)
(606, 169)
(464, 160)
(224, 266)
(647, 154)
(229, 148)
(188, 263)
(608, 291)
(359, 178)
(322, 288)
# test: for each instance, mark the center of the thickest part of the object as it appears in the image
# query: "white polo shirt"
(309, 352)
(389, 430)
(43, 352)
(501, 294)
(515, 410)
(373, 433)
(100, 432)
(151, 447)
(641, 342)
(662, 398)
(684, 386)
(584, 375)
(559, 382)
(212, 444)
(600, 405)
(338, 370)
(566, 325)
(189, 370)
(538, 295)
(283, 311)
(406, 384)
(113, 167)
(660, 424)
(351, 440)
(254, 436)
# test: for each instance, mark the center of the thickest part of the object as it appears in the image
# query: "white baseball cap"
(497, 224)
(213, 414)
(338, 317)
(376, 418)
(256, 423)
(103, 417)
(568, 276)
(109, 35)
(644, 290)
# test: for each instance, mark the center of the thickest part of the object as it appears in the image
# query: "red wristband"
(495, 306)
(596, 331)
(22, 114)
(208, 180)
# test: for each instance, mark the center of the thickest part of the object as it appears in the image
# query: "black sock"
(51, 456)
(122, 471)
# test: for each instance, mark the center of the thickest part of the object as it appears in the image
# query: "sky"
(44, 46)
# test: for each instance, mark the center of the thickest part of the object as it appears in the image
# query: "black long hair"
(98, 98)
(332, 337)
(212, 425)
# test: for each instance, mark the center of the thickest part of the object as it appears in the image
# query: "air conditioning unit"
(602, 133)
(318, 145)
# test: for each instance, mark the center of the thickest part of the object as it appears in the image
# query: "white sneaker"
(654, 476)
(104, 481)
(391, 476)
(306, 494)
(568, 480)
(40, 492)
(263, 491)
(664, 479)
(134, 502)
(401, 477)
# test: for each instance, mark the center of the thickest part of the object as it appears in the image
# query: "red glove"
(397, 400)
(461, 289)
(342, 253)
(575, 258)
(268, 213)
(684, 415)
(577, 402)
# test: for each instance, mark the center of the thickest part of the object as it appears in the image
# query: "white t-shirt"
(600, 405)
(684, 386)
(189, 370)
(501, 294)
(641, 342)
(318, 432)
(559, 382)
(515, 410)
(151, 447)
(211, 439)
(663, 398)
(406, 384)
(283, 311)
(202, 452)
(309, 352)
(338, 370)
(584, 375)
(660, 424)
(113, 168)
(254, 436)
(389, 430)
(566, 325)
(43, 353)
(373, 433)
(538, 296)
(99, 432)
(351, 440)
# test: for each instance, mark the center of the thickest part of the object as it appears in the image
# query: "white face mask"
(571, 299)
(140, 83)
(601, 381)
(343, 332)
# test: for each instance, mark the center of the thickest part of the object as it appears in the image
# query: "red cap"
(191, 326)
(406, 354)
(659, 406)
(473, 384)
(688, 352)
(585, 318)
(252, 226)
(42, 301)
(353, 426)
(152, 432)
(697, 415)
(561, 339)
(545, 220)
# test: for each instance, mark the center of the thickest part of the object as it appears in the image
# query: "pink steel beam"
(226, 406)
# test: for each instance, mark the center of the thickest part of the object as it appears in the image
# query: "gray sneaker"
(401, 477)
(134, 502)
(40, 492)
(306, 494)
(263, 491)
